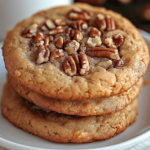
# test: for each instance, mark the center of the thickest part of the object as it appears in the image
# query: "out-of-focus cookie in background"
(137, 11)
(13, 11)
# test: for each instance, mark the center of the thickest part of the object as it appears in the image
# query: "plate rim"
(125, 144)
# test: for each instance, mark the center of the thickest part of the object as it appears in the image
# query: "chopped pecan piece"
(71, 46)
(78, 35)
(94, 41)
(46, 40)
(110, 53)
(119, 40)
(43, 54)
(30, 31)
(100, 21)
(56, 55)
(69, 66)
(59, 42)
(82, 25)
(118, 63)
(110, 23)
(94, 32)
(105, 64)
(109, 42)
(74, 25)
(39, 37)
(115, 41)
(49, 24)
(56, 31)
(70, 32)
(60, 22)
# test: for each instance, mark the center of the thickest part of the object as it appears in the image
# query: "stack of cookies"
(74, 73)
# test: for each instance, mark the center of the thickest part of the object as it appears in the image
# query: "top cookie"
(76, 52)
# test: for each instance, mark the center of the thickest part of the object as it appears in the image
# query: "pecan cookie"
(63, 128)
(76, 52)
(96, 106)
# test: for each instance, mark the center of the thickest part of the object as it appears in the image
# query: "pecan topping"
(94, 32)
(114, 42)
(59, 42)
(118, 39)
(109, 42)
(69, 66)
(100, 21)
(110, 53)
(49, 24)
(39, 37)
(105, 64)
(70, 32)
(110, 23)
(105, 23)
(82, 25)
(118, 63)
(60, 22)
(56, 31)
(78, 13)
(78, 35)
(46, 40)
(74, 25)
(84, 64)
(81, 63)
(56, 55)
(30, 31)
(43, 54)
(71, 46)
(94, 41)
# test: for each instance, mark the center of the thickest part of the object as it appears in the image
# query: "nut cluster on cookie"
(72, 42)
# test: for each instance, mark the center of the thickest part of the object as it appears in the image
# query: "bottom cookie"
(64, 128)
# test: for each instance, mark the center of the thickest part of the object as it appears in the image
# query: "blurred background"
(13, 11)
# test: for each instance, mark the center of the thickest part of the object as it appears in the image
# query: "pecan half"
(56, 55)
(110, 23)
(30, 31)
(94, 32)
(56, 31)
(78, 35)
(100, 22)
(94, 41)
(43, 54)
(110, 53)
(69, 66)
(84, 63)
(60, 22)
(71, 46)
(59, 42)
(49, 24)
(118, 40)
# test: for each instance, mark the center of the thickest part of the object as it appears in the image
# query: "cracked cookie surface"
(96, 106)
(47, 79)
(63, 128)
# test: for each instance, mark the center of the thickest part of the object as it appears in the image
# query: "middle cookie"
(97, 106)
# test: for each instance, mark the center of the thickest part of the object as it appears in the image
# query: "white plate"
(16, 139)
